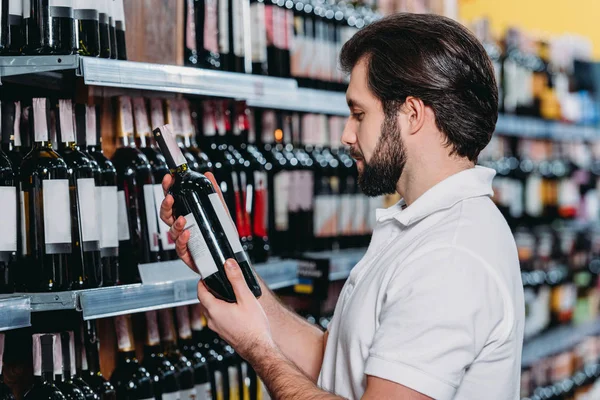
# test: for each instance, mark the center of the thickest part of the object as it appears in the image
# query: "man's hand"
(244, 325)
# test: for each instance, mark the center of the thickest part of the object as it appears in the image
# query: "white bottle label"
(58, 356)
(152, 328)
(281, 187)
(188, 394)
(219, 385)
(123, 217)
(172, 396)
(533, 195)
(123, 341)
(151, 217)
(110, 214)
(90, 125)
(204, 392)
(163, 229)
(8, 218)
(227, 223)
(86, 193)
(234, 385)
(57, 215)
(24, 242)
(238, 28)
(211, 40)
(346, 212)
(15, 7)
(223, 28)
(258, 32)
(199, 249)
(359, 218)
(183, 322)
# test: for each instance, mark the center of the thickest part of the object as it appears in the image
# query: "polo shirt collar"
(473, 182)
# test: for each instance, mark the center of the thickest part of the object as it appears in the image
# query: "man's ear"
(415, 113)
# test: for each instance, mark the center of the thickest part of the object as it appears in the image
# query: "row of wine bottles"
(571, 374)
(299, 39)
(93, 28)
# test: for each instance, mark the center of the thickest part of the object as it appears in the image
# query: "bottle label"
(40, 121)
(187, 394)
(533, 194)
(108, 209)
(122, 328)
(37, 354)
(234, 386)
(90, 126)
(190, 26)
(281, 187)
(187, 127)
(8, 219)
(325, 216)
(297, 53)
(346, 211)
(211, 35)
(1, 350)
(197, 319)
(123, 216)
(58, 355)
(119, 13)
(258, 32)
(238, 27)
(151, 217)
(67, 132)
(156, 113)
(163, 229)
(126, 115)
(204, 392)
(260, 215)
(199, 249)
(219, 385)
(183, 322)
(294, 191)
(245, 381)
(152, 329)
(288, 28)
(24, 219)
(141, 117)
(166, 325)
(15, 7)
(57, 216)
(223, 29)
(359, 219)
(269, 24)
(84, 363)
(172, 396)
(88, 214)
(306, 182)
(226, 222)
(239, 213)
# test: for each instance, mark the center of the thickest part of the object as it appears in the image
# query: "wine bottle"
(201, 340)
(207, 37)
(67, 386)
(104, 27)
(223, 29)
(213, 238)
(287, 36)
(90, 362)
(11, 31)
(5, 392)
(131, 380)
(44, 354)
(185, 372)
(187, 139)
(121, 42)
(147, 145)
(77, 369)
(107, 207)
(84, 263)
(49, 27)
(112, 28)
(240, 34)
(190, 57)
(274, 24)
(9, 219)
(87, 30)
(173, 117)
(259, 37)
(189, 350)
(164, 374)
(137, 243)
(46, 209)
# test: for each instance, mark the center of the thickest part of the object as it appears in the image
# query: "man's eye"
(358, 115)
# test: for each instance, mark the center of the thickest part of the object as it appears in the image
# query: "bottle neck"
(125, 141)
(127, 356)
(180, 171)
(142, 141)
(68, 146)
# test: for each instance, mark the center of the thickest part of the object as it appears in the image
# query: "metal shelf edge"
(16, 312)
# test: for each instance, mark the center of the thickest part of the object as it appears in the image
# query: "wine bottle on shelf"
(105, 176)
(213, 238)
(9, 201)
(187, 139)
(84, 263)
(46, 209)
(202, 342)
(112, 28)
(90, 363)
(80, 361)
(104, 27)
(145, 142)
(119, 17)
(11, 27)
(239, 22)
(49, 27)
(131, 380)
(258, 37)
(189, 350)
(66, 364)
(174, 118)
(273, 24)
(137, 243)
(164, 374)
(223, 29)
(87, 28)
(44, 350)
(5, 392)
(207, 38)
(183, 366)
(190, 57)
(287, 37)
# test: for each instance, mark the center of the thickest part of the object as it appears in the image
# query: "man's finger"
(181, 243)
(236, 278)
(167, 182)
(206, 298)
(177, 228)
(166, 210)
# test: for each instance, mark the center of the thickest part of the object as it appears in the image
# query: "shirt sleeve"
(437, 314)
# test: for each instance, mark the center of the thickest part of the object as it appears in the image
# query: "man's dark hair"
(438, 61)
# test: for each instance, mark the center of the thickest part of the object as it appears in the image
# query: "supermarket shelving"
(14, 312)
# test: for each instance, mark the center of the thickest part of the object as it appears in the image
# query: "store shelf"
(536, 128)
(16, 312)
(22, 65)
(306, 100)
(341, 261)
(557, 340)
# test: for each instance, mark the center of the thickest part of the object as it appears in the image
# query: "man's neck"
(416, 180)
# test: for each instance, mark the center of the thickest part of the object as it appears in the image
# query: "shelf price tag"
(313, 278)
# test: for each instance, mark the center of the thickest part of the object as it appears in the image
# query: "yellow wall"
(548, 17)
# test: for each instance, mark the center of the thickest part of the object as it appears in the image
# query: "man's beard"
(381, 174)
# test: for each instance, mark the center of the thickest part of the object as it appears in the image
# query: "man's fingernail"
(230, 264)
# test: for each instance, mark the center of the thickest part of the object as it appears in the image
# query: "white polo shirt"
(436, 304)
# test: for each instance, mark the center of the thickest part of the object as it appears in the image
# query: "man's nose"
(349, 134)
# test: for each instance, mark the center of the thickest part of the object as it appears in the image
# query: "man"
(435, 307)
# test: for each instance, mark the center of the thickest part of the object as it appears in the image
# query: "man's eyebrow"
(353, 102)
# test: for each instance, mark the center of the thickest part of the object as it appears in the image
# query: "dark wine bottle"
(187, 139)
(46, 209)
(183, 366)
(112, 28)
(201, 341)
(5, 392)
(189, 350)
(223, 29)
(87, 28)
(207, 37)
(119, 16)
(49, 27)
(105, 176)
(44, 354)
(258, 37)
(274, 20)
(104, 27)
(85, 269)
(213, 238)
(240, 35)
(9, 219)
(131, 380)
(79, 357)
(11, 30)
(145, 142)
(174, 118)
(164, 374)
(190, 57)
(137, 244)
(66, 367)
(90, 363)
